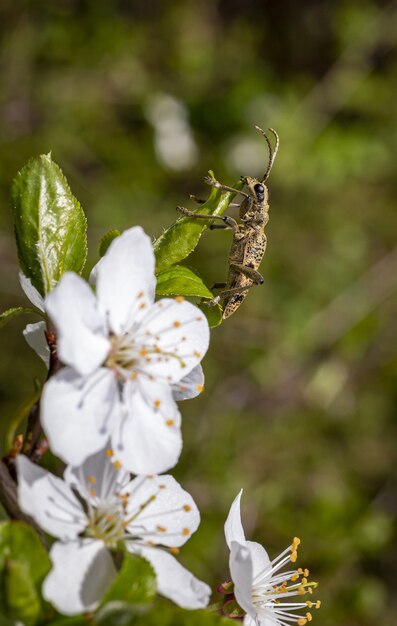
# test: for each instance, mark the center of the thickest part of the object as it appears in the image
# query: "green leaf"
(135, 583)
(14, 312)
(107, 240)
(180, 239)
(50, 226)
(24, 563)
(213, 314)
(181, 281)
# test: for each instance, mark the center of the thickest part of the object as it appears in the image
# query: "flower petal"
(179, 332)
(260, 561)
(82, 338)
(164, 511)
(125, 279)
(149, 440)
(49, 500)
(78, 413)
(97, 473)
(234, 530)
(241, 571)
(190, 386)
(82, 572)
(174, 581)
(35, 337)
(31, 292)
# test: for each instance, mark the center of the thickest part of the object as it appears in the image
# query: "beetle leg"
(228, 221)
(215, 183)
(228, 292)
(249, 272)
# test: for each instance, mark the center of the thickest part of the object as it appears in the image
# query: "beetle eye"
(259, 188)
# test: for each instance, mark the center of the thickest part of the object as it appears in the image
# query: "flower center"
(130, 356)
(106, 523)
(271, 587)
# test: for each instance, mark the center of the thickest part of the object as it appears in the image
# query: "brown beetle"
(249, 239)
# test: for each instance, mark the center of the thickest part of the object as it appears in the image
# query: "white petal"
(176, 582)
(35, 337)
(234, 530)
(260, 559)
(145, 443)
(179, 329)
(77, 414)
(125, 281)
(251, 621)
(49, 500)
(241, 572)
(168, 514)
(82, 338)
(190, 386)
(31, 292)
(108, 479)
(82, 572)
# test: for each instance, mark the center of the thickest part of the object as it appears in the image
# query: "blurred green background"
(136, 101)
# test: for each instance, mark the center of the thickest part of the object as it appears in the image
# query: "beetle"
(249, 238)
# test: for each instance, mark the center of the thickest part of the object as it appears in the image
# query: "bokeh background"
(137, 100)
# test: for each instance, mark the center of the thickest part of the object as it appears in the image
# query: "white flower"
(35, 333)
(127, 359)
(95, 508)
(260, 588)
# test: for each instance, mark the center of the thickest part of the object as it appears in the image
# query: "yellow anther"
(162, 486)
(109, 452)
(294, 578)
(110, 518)
(143, 352)
(309, 604)
(91, 480)
(309, 617)
(182, 388)
(306, 572)
(187, 507)
(161, 529)
(302, 591)
(117, 465)
(142, 305)
(310, 590)
(304, 581)
(199, 319)
(179, 299)
(170, 422)
(92, 492)
(318, 604)
(197, 354)
(200, 388)
(157, 403)
(296, 542)
(294, 556)
(174, 550)
(150, 543)
(176, 324)
(140, 294)
(302, 621)
(133, 375)
(185, 532)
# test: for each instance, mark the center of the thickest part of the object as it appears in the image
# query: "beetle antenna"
(272, 151)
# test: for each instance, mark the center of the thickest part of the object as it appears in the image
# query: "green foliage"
(181, 281)
(15, 312)
(107, 240)
(50, 226)
(165, 614)
(24, 563)
(135, 583)
(181, 238)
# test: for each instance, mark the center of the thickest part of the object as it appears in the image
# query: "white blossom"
(127, 359)
(97, 508)
(260, 588)
(35, 333)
